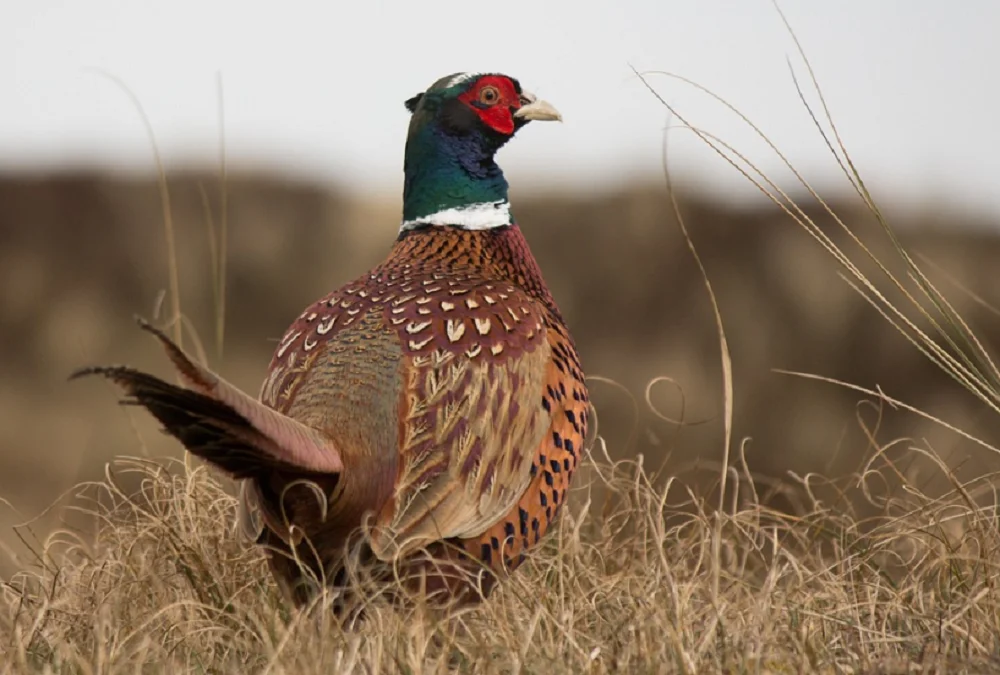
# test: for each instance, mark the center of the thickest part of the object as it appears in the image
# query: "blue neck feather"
(448, 171)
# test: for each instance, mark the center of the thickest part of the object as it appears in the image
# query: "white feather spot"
(309, 344)
(456, 329)
(471, 304)
(483, 325)
(496, 349)
(287, 342)
(414, 345)
(447, 306)
(489, 300)
(324, 326)
(474, 351)
(413, 328)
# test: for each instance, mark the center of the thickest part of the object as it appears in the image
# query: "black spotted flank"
(571, 416)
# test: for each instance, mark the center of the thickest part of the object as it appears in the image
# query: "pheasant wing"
(471, 413)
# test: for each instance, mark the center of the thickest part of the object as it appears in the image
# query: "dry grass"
(869, 573)
(622, 586)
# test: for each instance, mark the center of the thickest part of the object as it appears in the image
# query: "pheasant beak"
(534, 109)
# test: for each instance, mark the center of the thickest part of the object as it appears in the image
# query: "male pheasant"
(436, 404)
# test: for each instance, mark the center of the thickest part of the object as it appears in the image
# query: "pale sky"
(317, 88)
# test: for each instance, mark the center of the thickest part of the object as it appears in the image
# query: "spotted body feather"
(477, 329)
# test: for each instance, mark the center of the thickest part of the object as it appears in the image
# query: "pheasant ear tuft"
(412, 103)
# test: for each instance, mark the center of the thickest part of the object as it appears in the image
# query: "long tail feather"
(218, 422)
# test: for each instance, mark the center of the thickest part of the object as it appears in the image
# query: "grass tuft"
(629, 582)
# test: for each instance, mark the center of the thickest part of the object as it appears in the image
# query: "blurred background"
(305, 102)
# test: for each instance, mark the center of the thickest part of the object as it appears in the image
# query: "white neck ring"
(481, 216)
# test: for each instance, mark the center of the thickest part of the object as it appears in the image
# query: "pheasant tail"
(219, 423)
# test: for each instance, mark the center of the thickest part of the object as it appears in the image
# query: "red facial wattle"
(498, 114)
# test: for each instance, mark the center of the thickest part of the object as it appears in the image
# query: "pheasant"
(433, 409)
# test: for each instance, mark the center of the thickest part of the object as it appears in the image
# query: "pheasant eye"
(489, 95)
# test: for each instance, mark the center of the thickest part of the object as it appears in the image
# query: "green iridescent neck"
(452, 178)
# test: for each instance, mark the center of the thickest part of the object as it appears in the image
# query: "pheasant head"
(458, 124)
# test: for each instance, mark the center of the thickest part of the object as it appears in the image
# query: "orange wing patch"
(565, 400)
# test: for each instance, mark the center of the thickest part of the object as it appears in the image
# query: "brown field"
(854, 536)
